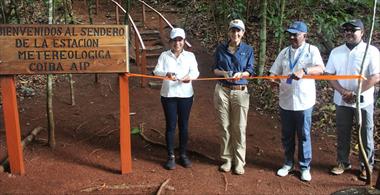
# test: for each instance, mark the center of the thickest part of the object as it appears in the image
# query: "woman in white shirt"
(180, 67)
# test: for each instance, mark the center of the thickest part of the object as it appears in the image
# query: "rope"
(316, 77)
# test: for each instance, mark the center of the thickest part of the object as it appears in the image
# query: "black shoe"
(185, 161)
(170, 163)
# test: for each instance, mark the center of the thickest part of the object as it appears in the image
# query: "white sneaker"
(305, 175)
(284, 171)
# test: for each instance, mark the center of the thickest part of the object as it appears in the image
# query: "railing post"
(117, 13)
(143, 15)
(97, 7)
(143, 67)
(137, 49)
(161, 23)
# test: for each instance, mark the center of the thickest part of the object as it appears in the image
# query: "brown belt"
(233, 87)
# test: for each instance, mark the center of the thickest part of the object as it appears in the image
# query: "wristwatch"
(304, 70)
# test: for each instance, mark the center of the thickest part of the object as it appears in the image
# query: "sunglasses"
(294, 34)
(350, 30)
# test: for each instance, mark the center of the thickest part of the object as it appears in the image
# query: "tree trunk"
(68, 11)
(90, 3)
(212, 8)
(282, 15)
(358, 108)
(5, 163)
(49, 95)
(263, 37)
(3, 15)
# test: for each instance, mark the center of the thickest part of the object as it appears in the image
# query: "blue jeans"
(344, 121)
(176, 108)
(297, 122)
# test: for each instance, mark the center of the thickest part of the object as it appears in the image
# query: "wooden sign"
(45, 49)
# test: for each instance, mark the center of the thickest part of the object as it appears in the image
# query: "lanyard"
(292, 65)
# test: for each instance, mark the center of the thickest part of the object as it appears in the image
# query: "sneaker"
(239, 170)
(185, 161)
(340, 168)
(226, 167)
(305, 175)
(284, 171)
(363, 174)
(170, 163)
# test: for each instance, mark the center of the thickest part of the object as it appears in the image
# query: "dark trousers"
(176, 108)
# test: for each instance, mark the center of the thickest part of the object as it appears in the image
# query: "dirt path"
(87, 155)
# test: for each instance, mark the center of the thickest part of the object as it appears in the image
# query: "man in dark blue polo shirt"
(233, 60)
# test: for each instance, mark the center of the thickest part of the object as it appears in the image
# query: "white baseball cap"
(177, 32)
(237, 24)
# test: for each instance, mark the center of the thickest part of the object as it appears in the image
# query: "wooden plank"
(54, 49)
(125, 126)
(12, 124)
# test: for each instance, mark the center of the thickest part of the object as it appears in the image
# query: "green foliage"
(324, 18)
(274, 19)
(230, 9)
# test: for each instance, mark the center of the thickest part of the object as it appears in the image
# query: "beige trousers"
(232, 109)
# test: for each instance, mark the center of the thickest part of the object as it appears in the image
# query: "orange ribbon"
(316, 77)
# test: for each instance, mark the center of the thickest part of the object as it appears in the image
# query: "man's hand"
(299, 74)
(348, 96)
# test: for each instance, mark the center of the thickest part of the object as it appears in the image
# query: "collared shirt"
(185, 64)
(299, 94)
(242, 60)
(343, 61)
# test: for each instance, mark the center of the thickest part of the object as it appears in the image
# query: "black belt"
(233, 87)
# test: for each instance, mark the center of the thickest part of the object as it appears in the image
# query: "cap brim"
(175, 36)
(351, 24)
(292, 30)
(238, 27)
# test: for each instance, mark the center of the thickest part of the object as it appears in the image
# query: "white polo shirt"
(299, 95)
(343, 61)
(185, 64)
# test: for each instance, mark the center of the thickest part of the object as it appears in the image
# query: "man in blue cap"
(297, 96)
(346, 59)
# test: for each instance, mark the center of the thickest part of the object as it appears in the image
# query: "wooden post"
(143, 67)
(12, 124)
(161, 24)
(97, 7)
(137, 49)
(125, 126)
(143, 15)
(117, 14)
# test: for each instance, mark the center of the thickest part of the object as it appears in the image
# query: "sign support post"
(12, 124)
(125, 126)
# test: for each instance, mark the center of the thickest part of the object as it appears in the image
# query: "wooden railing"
(137, 44)
(141, 58)
(160, 17)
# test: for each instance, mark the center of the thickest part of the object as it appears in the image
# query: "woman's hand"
(171, 76)
(185, 79)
